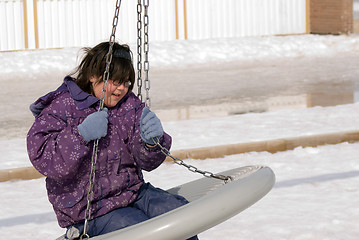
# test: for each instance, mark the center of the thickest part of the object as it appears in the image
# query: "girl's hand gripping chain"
(94, 126)
(150, 126)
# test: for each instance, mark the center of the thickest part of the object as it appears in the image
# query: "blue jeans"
(151, 202)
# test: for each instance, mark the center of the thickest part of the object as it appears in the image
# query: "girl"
(60, 146)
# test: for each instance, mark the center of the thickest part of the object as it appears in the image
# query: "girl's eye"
(118, 83)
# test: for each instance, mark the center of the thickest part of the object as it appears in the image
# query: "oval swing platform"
(211, 202)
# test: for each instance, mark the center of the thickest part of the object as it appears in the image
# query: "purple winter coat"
(58, 151)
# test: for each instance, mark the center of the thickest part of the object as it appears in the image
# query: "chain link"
(139, 49)
(146, 47)
(192, 168)
(145, 65)
(105, 78)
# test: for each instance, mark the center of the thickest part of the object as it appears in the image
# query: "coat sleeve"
(148, 158)
(55, 147)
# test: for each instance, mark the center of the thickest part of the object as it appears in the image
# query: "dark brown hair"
(94, 64)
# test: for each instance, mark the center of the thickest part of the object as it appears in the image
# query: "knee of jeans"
(155, 201)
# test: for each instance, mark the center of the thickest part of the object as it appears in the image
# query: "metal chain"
(147, 86)
(139, 49)
(146, 46)
(192, 168)
(105, 78)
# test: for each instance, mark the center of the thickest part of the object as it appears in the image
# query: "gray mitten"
(94, 126)
(150, 126)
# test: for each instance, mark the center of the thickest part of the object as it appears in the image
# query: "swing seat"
(211, 202)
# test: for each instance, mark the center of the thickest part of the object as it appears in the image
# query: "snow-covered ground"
(316, 194)
(315, 197)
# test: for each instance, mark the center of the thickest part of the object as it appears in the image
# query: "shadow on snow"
(315, 179)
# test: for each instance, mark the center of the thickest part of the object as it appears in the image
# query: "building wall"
(69, 23)
(30, 24)
(331, 16)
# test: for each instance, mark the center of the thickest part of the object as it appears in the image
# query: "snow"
(316, 194)
(315, 197)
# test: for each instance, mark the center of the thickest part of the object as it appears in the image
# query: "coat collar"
(82, 99)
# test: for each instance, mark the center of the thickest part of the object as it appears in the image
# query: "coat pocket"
(127, 175)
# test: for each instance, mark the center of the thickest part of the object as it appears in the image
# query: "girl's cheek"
(109, 89)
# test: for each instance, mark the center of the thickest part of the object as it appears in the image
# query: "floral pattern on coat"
(58, 151)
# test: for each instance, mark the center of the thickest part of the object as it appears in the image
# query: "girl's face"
(114, 91)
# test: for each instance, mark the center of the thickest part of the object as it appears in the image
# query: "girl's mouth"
(116, 95)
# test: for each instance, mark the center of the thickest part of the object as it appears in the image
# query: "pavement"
(203, 90)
